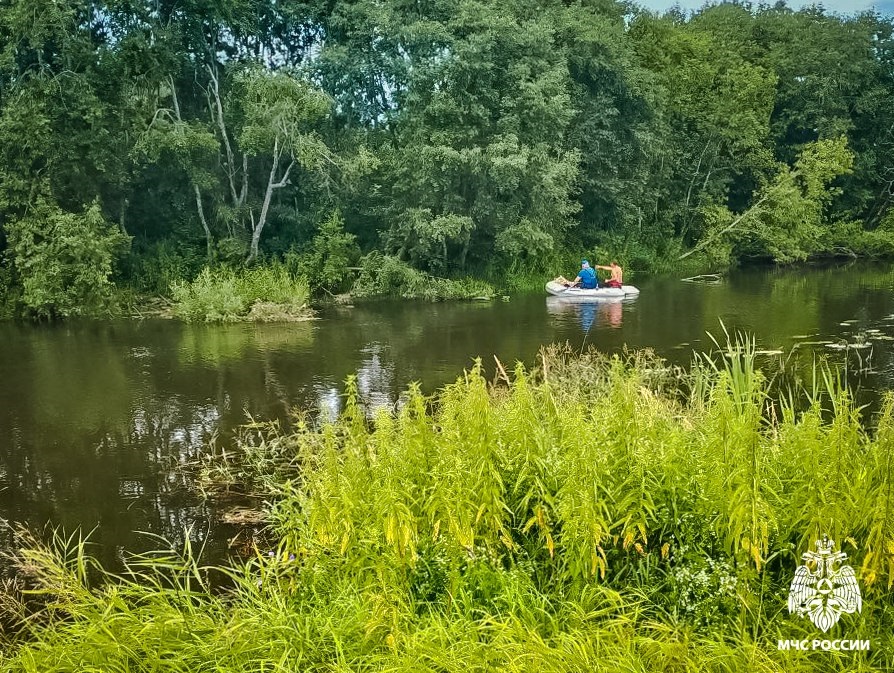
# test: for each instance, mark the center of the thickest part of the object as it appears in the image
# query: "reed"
(258, 294)
(594, 513)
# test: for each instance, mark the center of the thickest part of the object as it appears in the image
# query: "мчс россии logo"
(823, 589)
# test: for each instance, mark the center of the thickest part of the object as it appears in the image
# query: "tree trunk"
(237, 197)
(465, 250)
(123, 212)
(244, 192)
(272, 184)
(204, 221)
(195, 187)
(262, 218)
(701, 244)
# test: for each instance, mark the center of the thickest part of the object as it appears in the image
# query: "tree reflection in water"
(97, 419)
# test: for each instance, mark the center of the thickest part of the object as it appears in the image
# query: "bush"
(225, 295)
(64, 260)
(231, 251)
(850, 238)
(10, 295)
(156, 268)
(386, 276)
(272, 284)
(524, 527)
(212, 297)
(325, 263)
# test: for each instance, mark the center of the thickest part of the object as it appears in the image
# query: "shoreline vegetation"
(594, 513)
(259, 294)
(427, 144)
(274, 294)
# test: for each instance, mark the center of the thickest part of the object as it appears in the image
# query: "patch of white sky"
(885, 7)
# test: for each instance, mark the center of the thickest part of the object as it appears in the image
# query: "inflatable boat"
(559, 290)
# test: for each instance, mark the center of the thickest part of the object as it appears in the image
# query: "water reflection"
(377, 386)
(96, 418)
(218, 344)
(608, 312)
(375, 377)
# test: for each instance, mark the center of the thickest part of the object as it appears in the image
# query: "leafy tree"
(453, 136)
(481, 160)
(618, 127)
(786, 220)
(189, 148)
(834, 77)
(64, 260)
(280, 111)
(719, 109)
(331, 251)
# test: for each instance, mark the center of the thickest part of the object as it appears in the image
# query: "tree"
(480, 160)
(618, 127)
(190, 147)
(64, 260)
(718, 108)
(331, 251)
(280, 111)
(786, 220)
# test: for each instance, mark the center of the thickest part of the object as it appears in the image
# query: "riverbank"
(272, 294)
(528, 524)
(278, 292)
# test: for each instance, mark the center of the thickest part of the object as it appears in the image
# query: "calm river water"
(96, 417)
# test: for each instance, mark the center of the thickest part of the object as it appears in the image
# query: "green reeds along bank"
(596, 514)
(259, 294)
(387, 276)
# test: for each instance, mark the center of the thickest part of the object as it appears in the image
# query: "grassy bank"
(595, 514)
(387, 276)
(259, 294)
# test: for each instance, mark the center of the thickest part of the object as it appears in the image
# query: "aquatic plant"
(263, 293)
(387, 276)
(595, 513)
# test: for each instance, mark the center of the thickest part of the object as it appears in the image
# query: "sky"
(841, 6)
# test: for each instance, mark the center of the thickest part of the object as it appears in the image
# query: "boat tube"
(559, 290)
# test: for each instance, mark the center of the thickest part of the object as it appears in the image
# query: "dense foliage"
(531, 526)
(260, 294)
(478, 137)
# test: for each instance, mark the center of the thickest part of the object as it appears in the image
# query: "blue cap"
(584, 262)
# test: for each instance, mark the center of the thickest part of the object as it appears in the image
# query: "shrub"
(225, 295)
(850, 238)
(231, 251)
(64, 260)
(387, 276)
(212, 297)
(530, 526)
(10, 294)
(272, 284)
(157, 267)
(325, 263)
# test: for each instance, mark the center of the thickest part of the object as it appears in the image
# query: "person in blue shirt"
(586, 278)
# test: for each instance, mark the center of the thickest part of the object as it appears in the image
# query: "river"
(97, 417)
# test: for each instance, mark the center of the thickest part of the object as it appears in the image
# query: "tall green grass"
(263, 293)
(387, 276)
(596, 513)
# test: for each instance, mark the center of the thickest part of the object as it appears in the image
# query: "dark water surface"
(95, 418)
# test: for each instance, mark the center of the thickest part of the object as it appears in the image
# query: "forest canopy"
(141, 140)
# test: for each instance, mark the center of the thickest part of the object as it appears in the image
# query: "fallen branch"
(741, 217)
(710, 278)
